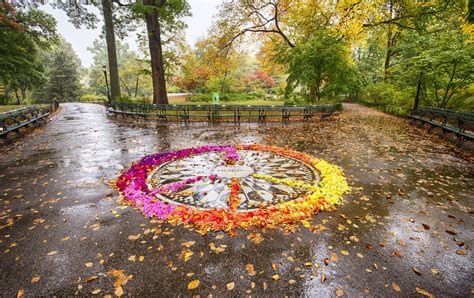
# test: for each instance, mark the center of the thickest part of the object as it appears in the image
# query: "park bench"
(14, 120)
(449, 121)
(223, 113)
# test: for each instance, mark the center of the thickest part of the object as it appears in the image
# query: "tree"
(111, 49)
(319, 67)
(22, 34)
(438, 65)
(63, 76)
(160, 16)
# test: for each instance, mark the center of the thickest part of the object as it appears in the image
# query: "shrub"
(90, 97)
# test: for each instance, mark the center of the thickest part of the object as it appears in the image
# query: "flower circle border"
(325, 195)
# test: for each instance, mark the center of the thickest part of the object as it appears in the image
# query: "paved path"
(60, 220)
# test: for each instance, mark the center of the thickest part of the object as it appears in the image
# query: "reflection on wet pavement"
(405, 228)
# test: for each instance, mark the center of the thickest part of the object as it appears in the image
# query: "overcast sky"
(201, 20)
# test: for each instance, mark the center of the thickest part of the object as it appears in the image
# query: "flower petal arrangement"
(224, 188)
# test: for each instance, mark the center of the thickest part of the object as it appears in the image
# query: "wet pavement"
(405, 229)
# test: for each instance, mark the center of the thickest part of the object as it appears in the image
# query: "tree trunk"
(136, 86)
(23, 92)
(111, 49)
(388, 53)
(156, 54)
(418, 91)
(17, 97)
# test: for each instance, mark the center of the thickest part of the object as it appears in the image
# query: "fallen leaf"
(292, 281)
(434, 271)
(132, 258)
(141, 258)
(89, 264)
(396, 287)
(339, 292)
(52, 253)
(396, 253)
(255, 238)
(345, 252)
(416, 270)
(333, 257)
(92, 278)
(20, 293)
(250, 269)
(230, 286)
(186, 255)
(424, 292)
(425, 226)
(35, 279)
(276, 277)
(118, 291)
(451, 232)
(134, 237)
(461, 252)
(193, 284)
(96, 291)
(188, 244)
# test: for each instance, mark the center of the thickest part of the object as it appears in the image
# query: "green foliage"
(318, 68)
(442, 62)
(25, 33)
(91, 97)
(63, 75)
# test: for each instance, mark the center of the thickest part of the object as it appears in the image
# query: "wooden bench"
(14, 120)
(449, 121)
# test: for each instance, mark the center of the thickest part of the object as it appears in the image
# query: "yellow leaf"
(132, 258)
(424, 292)
(118, 291)
(188, 244)
(193, 284)
(345, 252)
(134, 237)
(52, 253)
(35, 279)
(396, 287)
(292, 281)
(339, 292)
(92, 278)
(230, 286)
(141, 258)
(186, 255)
(96, 291)
(276, 277)
(250, 269)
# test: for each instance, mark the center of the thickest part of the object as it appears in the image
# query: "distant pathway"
(407, 223)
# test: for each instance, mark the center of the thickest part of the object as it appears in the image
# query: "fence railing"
(224, 113)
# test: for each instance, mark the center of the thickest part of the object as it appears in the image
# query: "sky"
(202, 13)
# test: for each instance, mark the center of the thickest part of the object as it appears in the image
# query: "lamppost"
(104, 69)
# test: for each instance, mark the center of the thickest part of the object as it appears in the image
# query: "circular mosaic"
(227, 187)
(253, 191)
